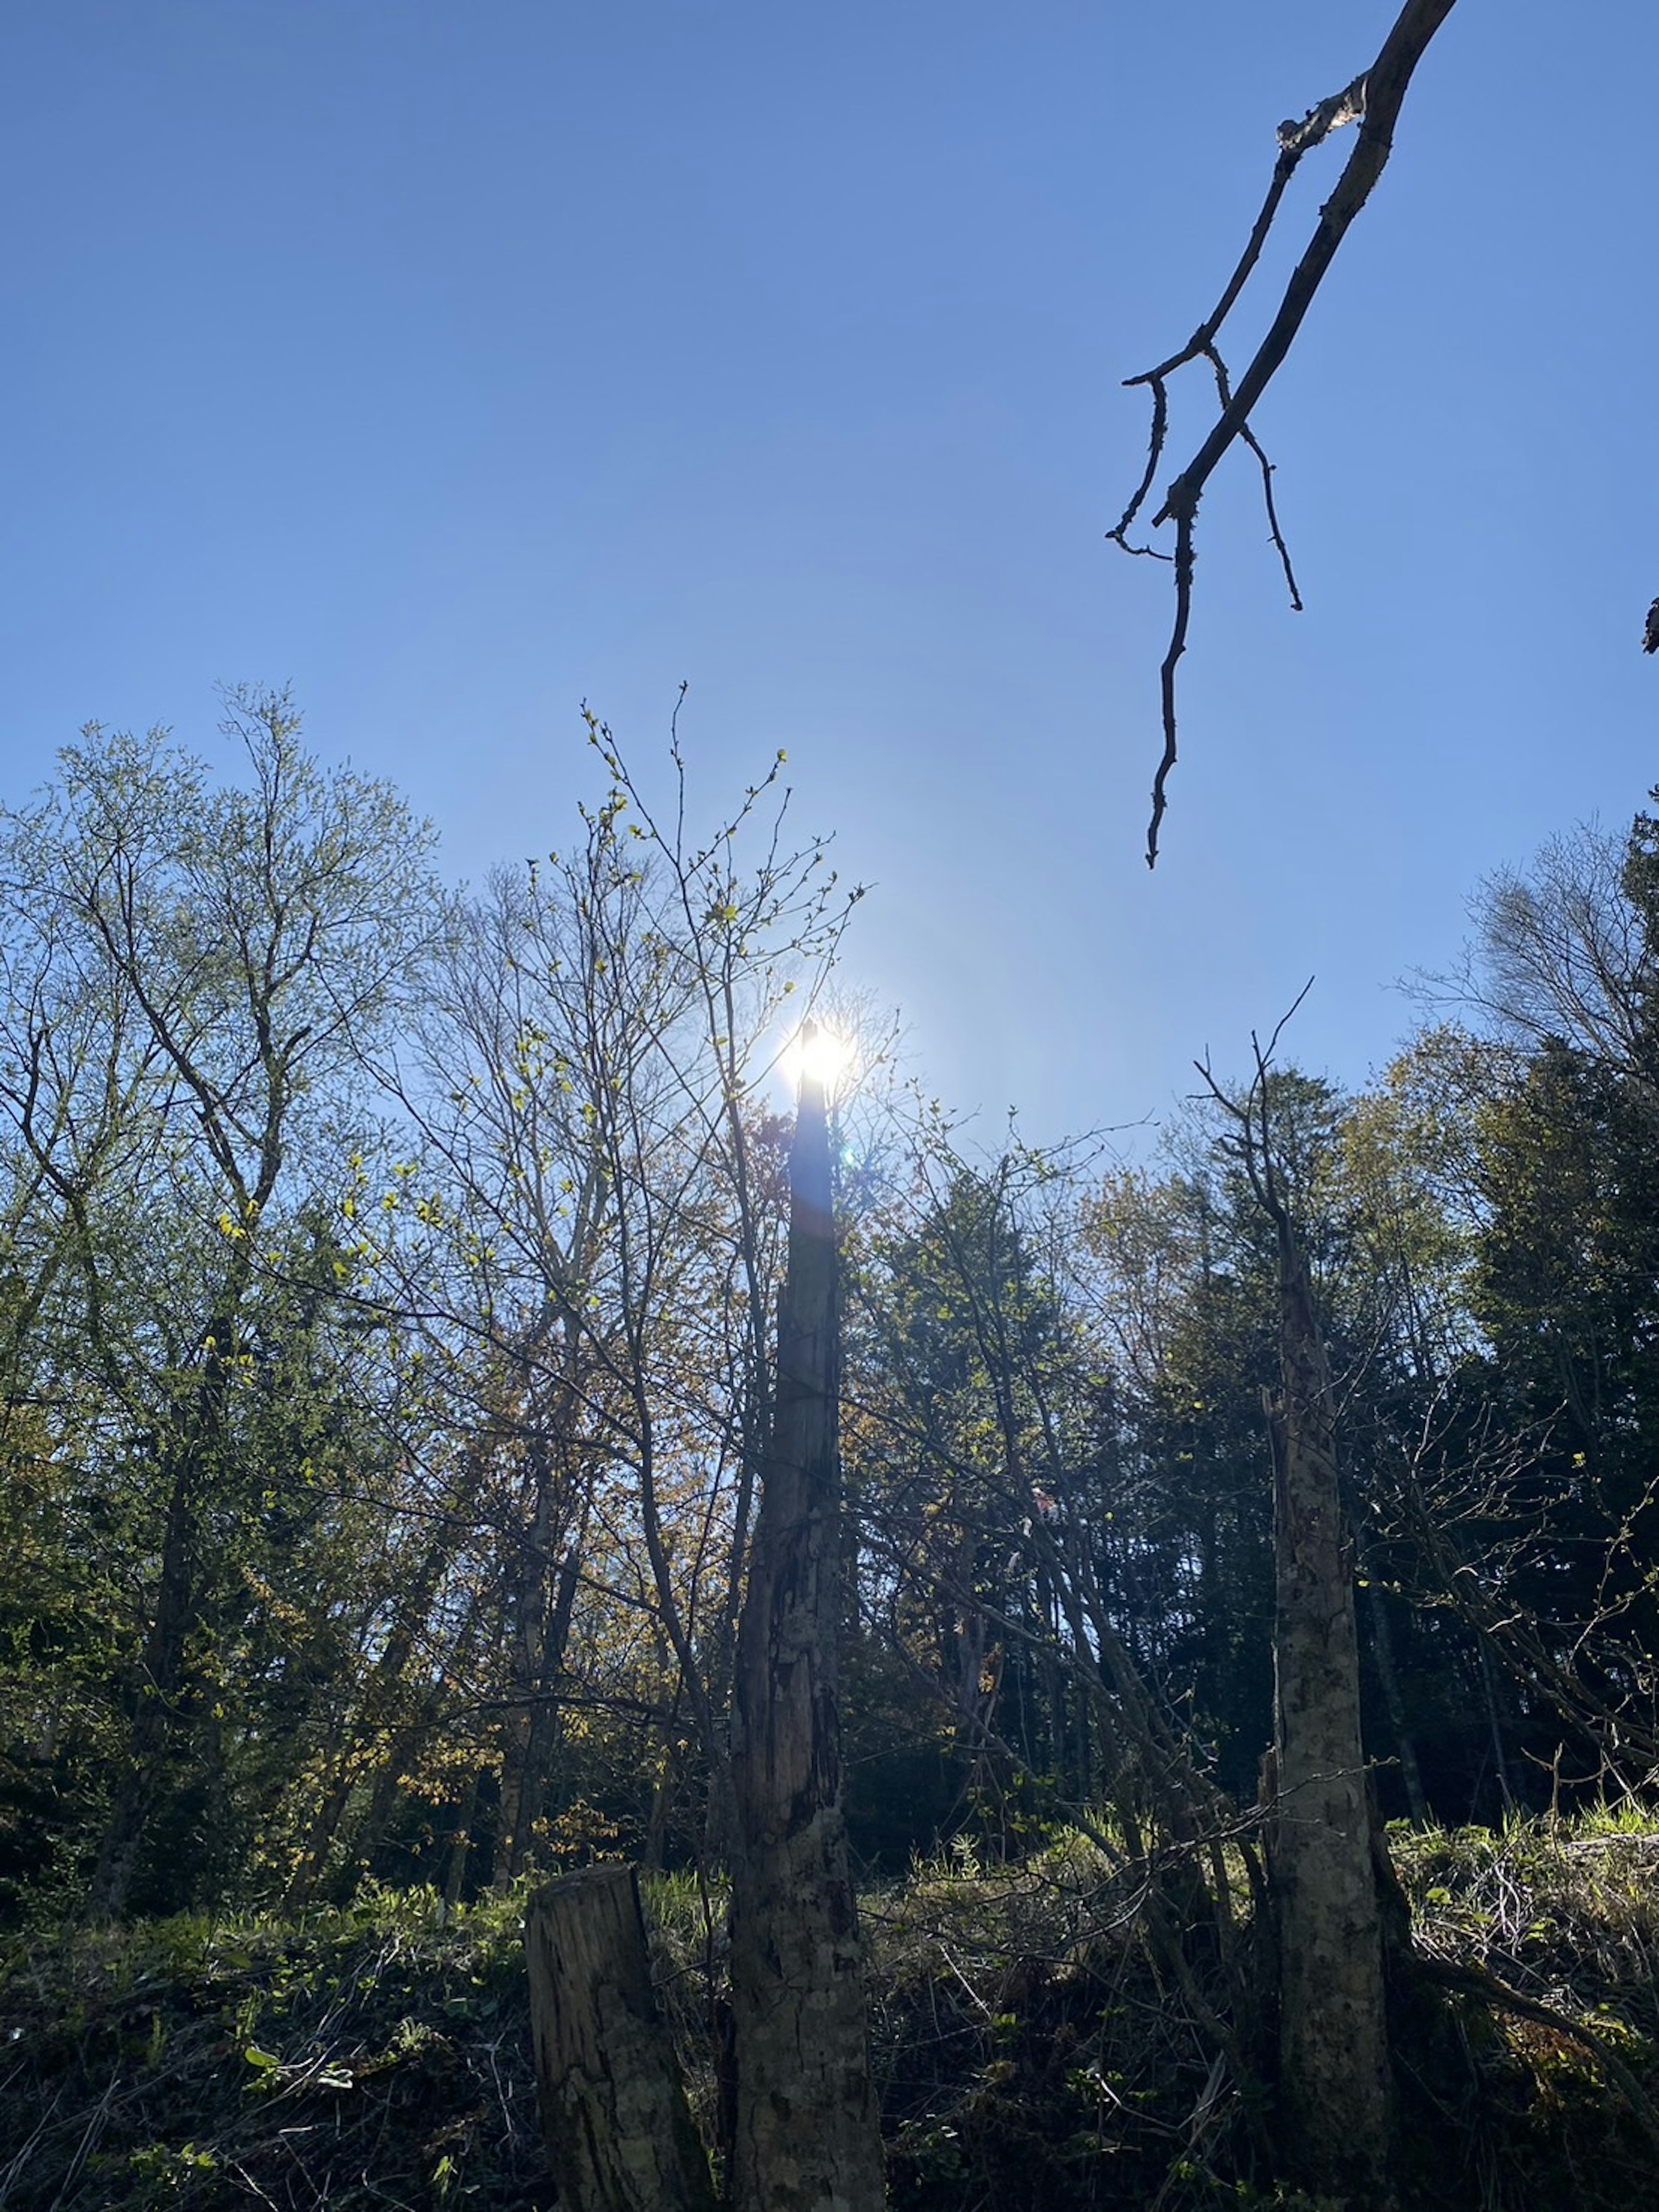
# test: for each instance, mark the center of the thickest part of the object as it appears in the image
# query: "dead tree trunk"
(806, 2135)
(619, 2132)
(1334, 2046)
(1323, 1859)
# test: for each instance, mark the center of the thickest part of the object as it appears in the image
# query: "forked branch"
(1373, 100)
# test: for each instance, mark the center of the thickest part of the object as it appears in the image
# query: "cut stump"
(618, 2128)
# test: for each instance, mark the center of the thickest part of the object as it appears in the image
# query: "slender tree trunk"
(1334, 2048)
(152, 1702)
(544, 1717)
(807, 2137)
(382, 1710)
(527, 1612)
(1494, 1718)
(536, 1644)
(460, 1847)
(190, 1457)
(1411, 1774)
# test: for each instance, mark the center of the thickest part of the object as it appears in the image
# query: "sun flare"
(816, 1054)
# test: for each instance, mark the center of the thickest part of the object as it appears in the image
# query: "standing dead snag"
(807, 2136)
(1372, 101)
(1333, 2027)
(1323, 1861)
(619, 2135)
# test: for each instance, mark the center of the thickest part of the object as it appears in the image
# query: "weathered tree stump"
(619, 2131)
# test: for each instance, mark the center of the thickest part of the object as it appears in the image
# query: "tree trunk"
(544, 1719)
(1333, 2050)
(807, 2137)
(382, 1708)
(153, 1703)
(156, 1696)
(619, 2132)
(460, 1846)
(1411, 1774)
(529, 1611)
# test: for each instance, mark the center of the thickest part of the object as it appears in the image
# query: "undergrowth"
(1029, 2048)
(378, 2056)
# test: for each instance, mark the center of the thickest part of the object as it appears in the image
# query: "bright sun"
(816, 1053)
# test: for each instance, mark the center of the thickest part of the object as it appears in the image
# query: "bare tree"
(1563, 948)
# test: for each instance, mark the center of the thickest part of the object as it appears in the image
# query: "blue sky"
(459, 362)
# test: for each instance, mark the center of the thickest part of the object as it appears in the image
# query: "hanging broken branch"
(1373, 100)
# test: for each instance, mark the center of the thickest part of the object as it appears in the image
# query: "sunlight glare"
(818, 1054)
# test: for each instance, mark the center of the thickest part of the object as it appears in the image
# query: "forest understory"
(1027, 2048)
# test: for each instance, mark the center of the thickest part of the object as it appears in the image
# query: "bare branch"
(1184, 568)
(1373, 100)
(1255, 444)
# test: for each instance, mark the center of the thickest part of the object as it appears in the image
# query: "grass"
(374, 2056)
(1029, 2047)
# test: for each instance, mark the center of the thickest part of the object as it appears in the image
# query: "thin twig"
(1183, 576)
(1255, 446)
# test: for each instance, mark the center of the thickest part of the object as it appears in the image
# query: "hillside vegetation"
(1029, 2050)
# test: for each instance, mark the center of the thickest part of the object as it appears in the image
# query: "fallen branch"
(1479, 1981)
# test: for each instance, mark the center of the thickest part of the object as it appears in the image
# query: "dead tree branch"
(1477, 1981)
(1373, 100)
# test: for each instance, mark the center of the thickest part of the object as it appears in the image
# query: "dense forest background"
(384, 1276)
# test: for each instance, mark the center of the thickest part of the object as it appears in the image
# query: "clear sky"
(460, 359)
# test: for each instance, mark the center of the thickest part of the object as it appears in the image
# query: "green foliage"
(385, 1285)
(1027, 2045)
(193, 971)
(381, 2051)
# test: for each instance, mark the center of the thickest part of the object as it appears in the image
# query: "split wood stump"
(618, 2128)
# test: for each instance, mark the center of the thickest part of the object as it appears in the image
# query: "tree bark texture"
(619, 2132)
(807, 2136)
(1333, 2050)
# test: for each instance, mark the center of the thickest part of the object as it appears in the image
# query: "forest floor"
(1030, 2048)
